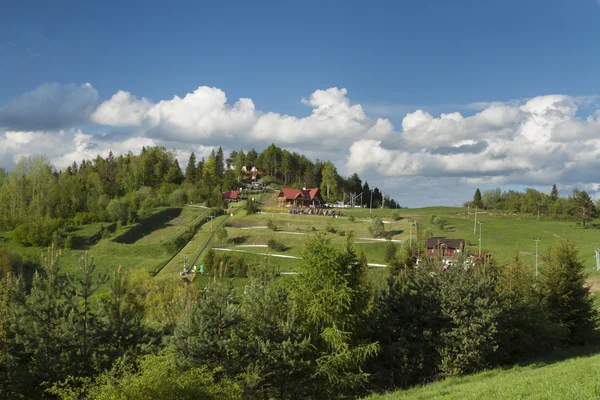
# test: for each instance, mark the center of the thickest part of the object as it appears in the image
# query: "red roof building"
(289, 197)
(232, 195)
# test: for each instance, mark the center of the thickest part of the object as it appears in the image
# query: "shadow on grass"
(148, 225)
(394, 232)
(238, 239)
(558, 356)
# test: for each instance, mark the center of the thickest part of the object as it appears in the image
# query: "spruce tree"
(407, 323)
(83, 288)
(42, 325)
(477, 201)
(190, 171)
(326, 299)
(121, 327)
(220, 168)
(554, 193)
(565, 294)
(203, 334)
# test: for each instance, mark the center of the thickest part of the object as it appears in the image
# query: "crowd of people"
(316, 211)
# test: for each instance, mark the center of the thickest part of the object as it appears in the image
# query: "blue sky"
(393, 58)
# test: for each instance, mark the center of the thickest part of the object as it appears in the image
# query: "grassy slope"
(572, 378)
(145, 253)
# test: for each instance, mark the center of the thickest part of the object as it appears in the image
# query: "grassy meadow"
(572, 374)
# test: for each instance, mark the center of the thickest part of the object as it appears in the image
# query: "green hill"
(551, 378)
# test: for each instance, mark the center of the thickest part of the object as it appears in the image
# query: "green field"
(143, 247)
(570, 375)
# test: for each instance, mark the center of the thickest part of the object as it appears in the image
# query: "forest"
(326, 333)
(37, 201)
(577, 206)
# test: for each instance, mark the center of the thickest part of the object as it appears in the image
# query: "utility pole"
(475, 222)
(468, 210)
(538, 212)
(537, 241)
(480, 224)
(371, 203)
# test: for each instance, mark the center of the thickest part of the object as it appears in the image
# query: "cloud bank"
(533, 142)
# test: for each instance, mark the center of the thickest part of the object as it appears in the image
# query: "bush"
(351, 218)
(84, 218)
(37, 232)
(69, 242)
(118, 210)
(275, 245)
(330, 229)
(396, 216)
(178, 198)
(271, 225)
(377, 229)
(390, 252)
(250, 207)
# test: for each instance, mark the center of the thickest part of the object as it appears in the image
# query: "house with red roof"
(289, 197)
(232, 195)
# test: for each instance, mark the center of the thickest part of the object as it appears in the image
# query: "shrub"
(377, 229)
(69, 242)
(275, 245)
(178, 198)
(351, 218)
(118, 210)
(330, 229)
(271, 225)
(250, 207)
(37, 232)
(396, 216)
(390, 251)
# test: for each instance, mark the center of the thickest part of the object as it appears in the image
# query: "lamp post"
(537, 241)
(538, 217)
(371, 202)
(475, 222)
(410, 237)
(480, 224)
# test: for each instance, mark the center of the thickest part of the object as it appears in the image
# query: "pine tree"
(273, 354)
(190, 171)
(325, 296)
(204, 333)
(554, 193)
(42, 326)
(120, 315)
(174, 174)
(408, 323)
(84, 287)
(390, 251)
(220, 168)
(585, 209)
(477, 201)
(566, 295)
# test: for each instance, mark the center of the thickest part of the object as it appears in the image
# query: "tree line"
(37, 200)
(327, 333)
(578, 205)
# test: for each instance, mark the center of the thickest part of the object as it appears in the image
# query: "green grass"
(556, 377)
